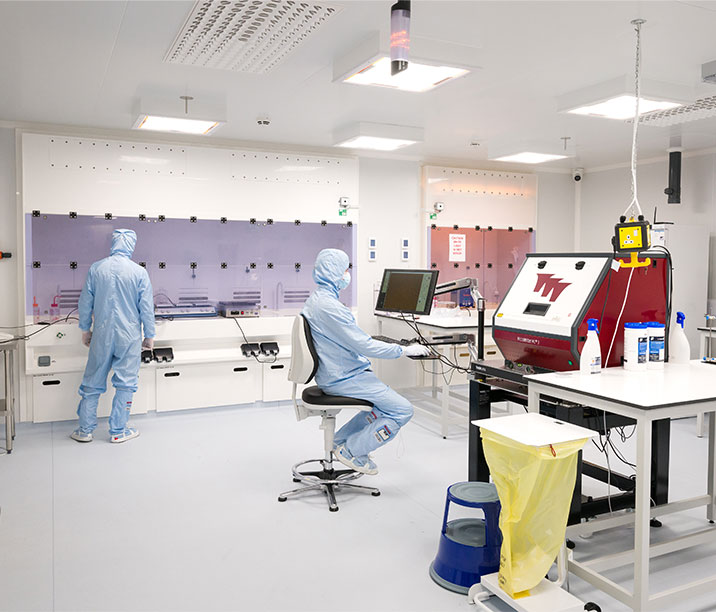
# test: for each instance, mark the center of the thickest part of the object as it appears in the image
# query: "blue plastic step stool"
(469, 547)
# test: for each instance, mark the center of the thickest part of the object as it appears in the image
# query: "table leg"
(532, 399)
(711, 485)
(643, 505)
(445, 407)
(7, 366)
(479, 408)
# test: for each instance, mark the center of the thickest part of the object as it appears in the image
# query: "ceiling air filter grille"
(703, 108)
(245, 35)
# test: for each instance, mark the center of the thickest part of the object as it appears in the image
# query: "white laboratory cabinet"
(56, 397)
(208, 369)
(208, 384)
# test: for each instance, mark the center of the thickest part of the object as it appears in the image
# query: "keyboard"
(402, 342)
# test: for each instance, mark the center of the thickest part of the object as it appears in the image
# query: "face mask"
(344, 281)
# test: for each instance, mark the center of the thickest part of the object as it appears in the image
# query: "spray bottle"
(35, 310)
(679, 349)
(590, 361)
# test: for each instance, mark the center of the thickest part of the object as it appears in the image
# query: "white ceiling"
(87, 63)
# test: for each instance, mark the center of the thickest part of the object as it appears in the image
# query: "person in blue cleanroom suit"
(118, 292)
(343, 367)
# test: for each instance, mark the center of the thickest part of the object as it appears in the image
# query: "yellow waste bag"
(535, 485)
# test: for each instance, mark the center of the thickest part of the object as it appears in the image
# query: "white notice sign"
(457, 247)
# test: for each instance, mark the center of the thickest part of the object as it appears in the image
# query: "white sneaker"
(127, 434)
(80, 436)
(364, 465)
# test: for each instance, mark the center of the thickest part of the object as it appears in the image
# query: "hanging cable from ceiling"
(637, 23)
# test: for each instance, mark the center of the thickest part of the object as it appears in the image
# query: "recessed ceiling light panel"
(614, 99)
(623, 107)
(377, 137)
(246, 35)
(416, 77)
(178, 125)
(529, 157)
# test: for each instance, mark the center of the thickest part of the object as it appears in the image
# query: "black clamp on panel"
(270, 349)
(250, 349)
(163, 355)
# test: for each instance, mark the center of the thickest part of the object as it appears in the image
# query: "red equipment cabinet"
(541, 322)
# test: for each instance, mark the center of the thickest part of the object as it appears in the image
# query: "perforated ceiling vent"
(703, 108)
(245, 35)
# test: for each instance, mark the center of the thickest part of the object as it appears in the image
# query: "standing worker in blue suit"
(343, 367)
(119, 294)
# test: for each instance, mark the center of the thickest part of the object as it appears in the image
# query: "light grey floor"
(186, 518)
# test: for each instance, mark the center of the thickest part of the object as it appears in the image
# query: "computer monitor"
(407, 291)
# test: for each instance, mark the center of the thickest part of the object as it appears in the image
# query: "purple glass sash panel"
(234, 260)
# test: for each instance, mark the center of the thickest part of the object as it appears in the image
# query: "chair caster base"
(282, 498)
(334, 509)
(655, 522)
(296, 480)
(571, 545)
(375, 493)
(591, 606)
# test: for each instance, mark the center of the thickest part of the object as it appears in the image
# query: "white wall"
(389, 196)
(389, 211)
(606, 194)
(555, 212)
(8, 228)
(8, 236)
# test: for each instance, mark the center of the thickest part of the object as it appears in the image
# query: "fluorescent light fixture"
(623, 107)
(531, 152)
(416, 77)
(375, 142)
(178, 125)
(615, 99)
(377, 136)
(529, 157)
(179, 115)
(369, 64)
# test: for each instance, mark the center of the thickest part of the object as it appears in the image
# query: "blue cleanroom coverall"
(119, 293)
(343, 369)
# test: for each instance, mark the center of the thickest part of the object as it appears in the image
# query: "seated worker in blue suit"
(343, 367)
(119, 294)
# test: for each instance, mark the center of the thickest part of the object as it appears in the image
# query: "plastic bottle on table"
(656, 345)
(636, 346)
(679, 349)
(590, 361)
(54, 310)
(35, 310)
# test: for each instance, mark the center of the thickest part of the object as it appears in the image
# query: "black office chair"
(304, 363)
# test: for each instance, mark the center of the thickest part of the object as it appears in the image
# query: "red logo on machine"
(550, 286)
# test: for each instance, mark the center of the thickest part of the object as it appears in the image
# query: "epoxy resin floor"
(186, 518)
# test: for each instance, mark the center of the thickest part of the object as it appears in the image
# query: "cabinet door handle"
(47, 383)
(241, 369)
(171, 374)
(277, 367)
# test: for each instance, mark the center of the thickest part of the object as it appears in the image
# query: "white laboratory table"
(677, 391)
(392, 325)
(8, 346)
